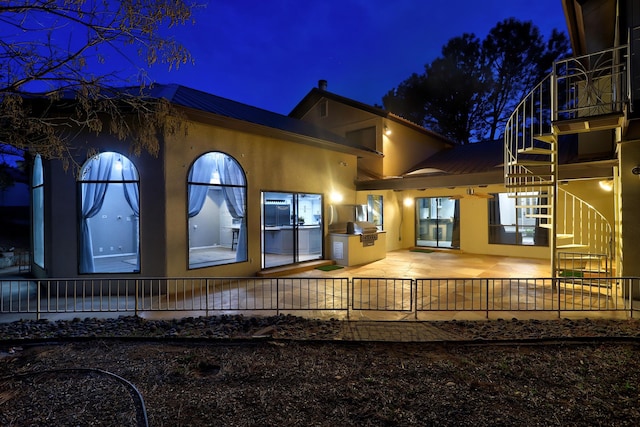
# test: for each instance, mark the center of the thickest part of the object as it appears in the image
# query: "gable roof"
(316, 94)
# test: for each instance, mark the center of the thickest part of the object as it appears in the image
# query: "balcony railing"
(591, 85)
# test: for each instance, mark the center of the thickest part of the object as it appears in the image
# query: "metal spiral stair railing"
(581, 235)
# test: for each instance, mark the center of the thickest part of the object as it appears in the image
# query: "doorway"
(291, 228)
(438, 222)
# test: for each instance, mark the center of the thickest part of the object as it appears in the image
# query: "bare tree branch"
(59, 49)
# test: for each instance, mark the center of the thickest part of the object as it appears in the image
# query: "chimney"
(322, 84)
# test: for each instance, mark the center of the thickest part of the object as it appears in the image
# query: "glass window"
(109, 212)
(217, 200)
(374, 207)
(37, 206)
(291, 228)
(438, 222)
(522, 225)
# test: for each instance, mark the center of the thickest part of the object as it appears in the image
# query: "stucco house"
(241, 191)
(246, 190)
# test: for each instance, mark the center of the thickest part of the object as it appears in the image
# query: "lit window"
(37, 206)
(109, 212)
(216, 209)
(509, 225)
(374, 206)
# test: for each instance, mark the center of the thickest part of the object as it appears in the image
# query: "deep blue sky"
(270, 53)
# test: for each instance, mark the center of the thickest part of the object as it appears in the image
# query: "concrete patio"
(485, 287)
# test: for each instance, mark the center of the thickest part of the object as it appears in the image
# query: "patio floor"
(406, 264)
(440, 264)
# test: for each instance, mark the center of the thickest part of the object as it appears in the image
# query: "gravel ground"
(301, 372)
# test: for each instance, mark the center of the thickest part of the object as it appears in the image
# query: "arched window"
(37, 211)
(110, 213)
(217, 200)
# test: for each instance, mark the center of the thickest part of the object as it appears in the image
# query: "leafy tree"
(65, 52)
(519, 59)
(468, 91)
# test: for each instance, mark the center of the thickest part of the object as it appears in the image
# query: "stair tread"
(545, 137)
(530, 163)
(572, 245)
(536, 150)
(525, 196)
(527, 175)
(538, 184)
(564, 235)
(579, 256)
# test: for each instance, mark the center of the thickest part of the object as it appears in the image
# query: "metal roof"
(484, 156)
(191, 98)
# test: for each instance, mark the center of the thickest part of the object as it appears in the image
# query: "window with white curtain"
(216, 205)
(109, 215)
(37, 209)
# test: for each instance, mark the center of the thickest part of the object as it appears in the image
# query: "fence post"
(206, 297)
(278, 297)
(348, 300)
(137, 290)
(38, 308)
(486, 281)
(632, 283)
(416, 304)
(557, 287)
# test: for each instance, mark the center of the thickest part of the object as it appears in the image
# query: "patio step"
(285, 270)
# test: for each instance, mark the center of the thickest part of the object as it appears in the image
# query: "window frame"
(239, 237)
(517, 232)
(82, 180)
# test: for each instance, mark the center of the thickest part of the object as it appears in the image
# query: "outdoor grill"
(367, 231)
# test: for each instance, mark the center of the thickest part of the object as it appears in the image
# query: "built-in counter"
(356, 249)
(279, 240)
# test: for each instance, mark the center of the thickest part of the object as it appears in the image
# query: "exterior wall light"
(606, 184)
(387, 131)
(335, 197)
(636, 170)
(408, 202)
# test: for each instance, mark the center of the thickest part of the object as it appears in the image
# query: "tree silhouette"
(468, 91)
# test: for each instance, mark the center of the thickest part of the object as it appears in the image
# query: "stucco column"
(629, 152)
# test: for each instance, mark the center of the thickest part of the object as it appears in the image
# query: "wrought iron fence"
(562, 294)
(321, 296)
(382, 294)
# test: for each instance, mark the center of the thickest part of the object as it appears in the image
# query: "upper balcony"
(591, 91)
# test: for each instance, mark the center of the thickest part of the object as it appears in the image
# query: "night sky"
(269, 54)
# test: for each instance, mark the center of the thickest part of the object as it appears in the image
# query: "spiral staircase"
(581, 94)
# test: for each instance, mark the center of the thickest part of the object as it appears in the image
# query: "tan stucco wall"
(61, 210)
(590, 191)
(630, 208)
(400, 222)
(270, 164)
(404, 148)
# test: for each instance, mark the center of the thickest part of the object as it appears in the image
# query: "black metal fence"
(21, 298)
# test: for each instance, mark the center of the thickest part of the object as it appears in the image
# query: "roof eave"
(243, 125)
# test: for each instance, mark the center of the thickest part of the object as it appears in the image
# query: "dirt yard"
(327, 382)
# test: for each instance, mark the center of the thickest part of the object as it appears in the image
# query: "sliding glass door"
(291, 228)
(438, 222)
